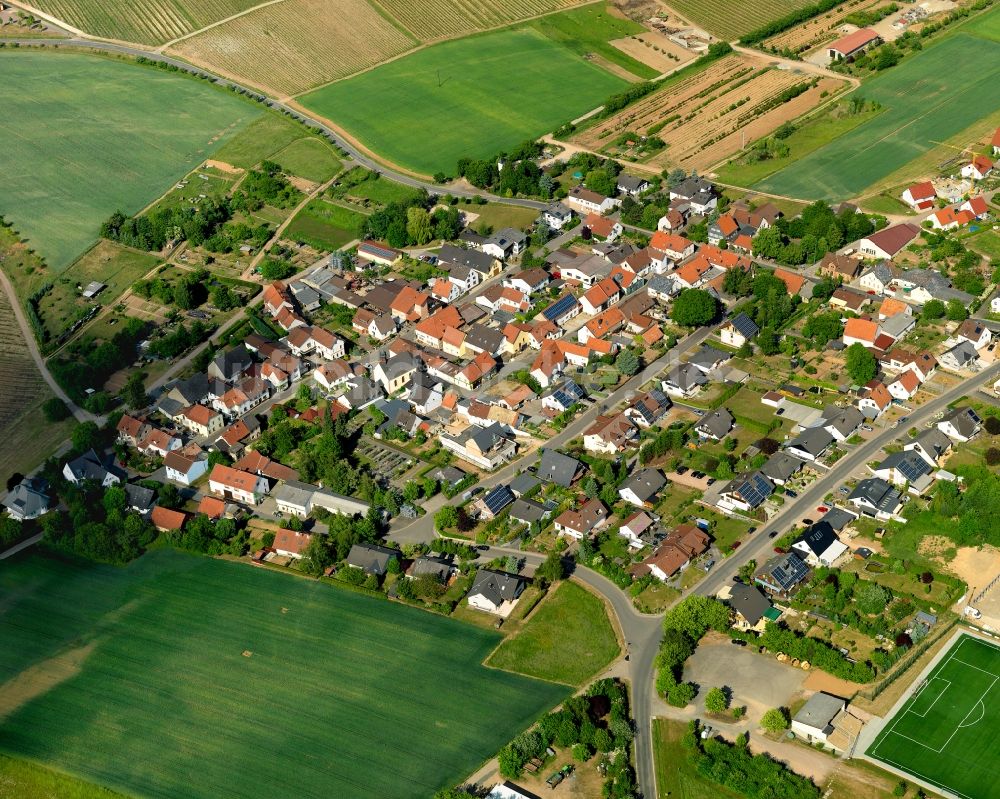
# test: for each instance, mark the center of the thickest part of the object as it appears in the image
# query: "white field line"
(943, 692)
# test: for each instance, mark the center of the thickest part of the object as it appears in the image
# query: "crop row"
(434, 19)
(816, 30)
(731, 20)
(290, 47)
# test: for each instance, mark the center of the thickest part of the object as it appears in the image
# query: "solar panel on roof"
(559, 307)
(498, 499)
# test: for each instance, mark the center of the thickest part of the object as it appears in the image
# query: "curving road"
(333, 136)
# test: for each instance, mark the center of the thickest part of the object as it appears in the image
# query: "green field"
(676, 777)
(568, 639)
(186, 676)
(84, 136)
(590, 29)
(928, 98)
(470, 97)
(20, 779)
(324, 225)
(309, 158)
(948, 731)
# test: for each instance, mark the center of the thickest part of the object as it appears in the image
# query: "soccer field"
(928, 98)
(948, 732)
(470, 97)
(84, 136)
(183, 676)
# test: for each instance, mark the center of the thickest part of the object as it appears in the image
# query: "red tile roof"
(792, 281)
(212, 507)
(854, 41)
(166, 519)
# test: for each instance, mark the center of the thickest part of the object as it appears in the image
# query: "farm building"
(853, 45)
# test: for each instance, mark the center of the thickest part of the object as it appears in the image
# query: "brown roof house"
(675, 553)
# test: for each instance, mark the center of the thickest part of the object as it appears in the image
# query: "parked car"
(737, 642)
(791, 494)
(681, 469)
(822, 509)
(866, 427)
(807, 521)
(711, 481)
(844, 490)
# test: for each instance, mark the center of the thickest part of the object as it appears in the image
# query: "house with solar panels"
(564, 397)
(906, 468)
(745, 494)
(876, 497)
(562, 310)
(489, 505)
(819, 545)
(738, 330)
(782, 574)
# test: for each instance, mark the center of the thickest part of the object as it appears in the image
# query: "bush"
(716, 701)
(775, 720)
(55, 410)
(681, 694)
(992, 456)
(992, 425)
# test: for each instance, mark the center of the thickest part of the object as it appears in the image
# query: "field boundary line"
(917, 696)
(962, 724)
(216, 24)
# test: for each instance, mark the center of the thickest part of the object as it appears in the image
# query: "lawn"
(470, 97)
(85, 136)
(948, 731)
(568, 639)
(498, 215)
(381, 190)
(25, 780)
(324, 225)
(927, 99)
(675, 776)
(589, 30)
(987, 242)
(309, 158)
(186, 676)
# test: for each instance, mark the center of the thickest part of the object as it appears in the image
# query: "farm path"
(796, 66)
(216, 24)
(255, 261)
(36, 355)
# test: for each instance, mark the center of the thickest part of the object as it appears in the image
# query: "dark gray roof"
(744, 325)
(692, 187)
(813, 440)
(558, 210)
(436, 567)
(933, 441)
(844, 420)
(717, 423)
(818, 538)
(631, 182)
(781, 466)
(558, 468)
(963, 419)
(372, 558)
(524, 483)
(908, 463)
(484, 338)
(528, 511)
(140, 498)
(686, 376)
(448, 475)
(752, 489)
(498, 498)
(784, 571)
(487, 437)
(707, 357)
(963, 353)
(232, 363)
(474, 259)
(878, 493)
(838, 518)
(496, 586)
(645, 484)
(88, 466)
(750, 603)
(192, 390)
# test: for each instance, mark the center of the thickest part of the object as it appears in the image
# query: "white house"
(738, 330)
(557, 216)
(961, 424)
(495, 592)
(978, 168)
(819, 545)
(814, 722)
(920, 196)
(236, 485)
(588, 202)
(976, 333)
(184, 468)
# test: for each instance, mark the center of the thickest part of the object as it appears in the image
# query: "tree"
(627, 363)
(861, 364)
(446, 517)
(551, 570)
(957, 312)
(224, 298)
(775, 720)
(681, 694)
(694, 308)
(992, 456)
(55, 410)
(602, 181)
(86, 435)
(992, 425)
(184, 296)
(872, 598)
(418, 225)
(696, 615)
(933, 309)
(134, 392)
(823, 328)
(768, 341)
(716, 701)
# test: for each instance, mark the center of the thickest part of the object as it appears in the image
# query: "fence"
(904, 664)
(986, 590)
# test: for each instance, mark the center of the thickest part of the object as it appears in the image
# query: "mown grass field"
(568, 639)
(324, 225)
(84, 136)
(948, 731)
(730, 20)
(469, 97)
(186, 676)
(309, 158)
(20, 779)
(928, 98)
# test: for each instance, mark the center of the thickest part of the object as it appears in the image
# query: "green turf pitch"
(948, 732)
(470, 97)
(182, 676)
(83, 136)
(928, 98)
